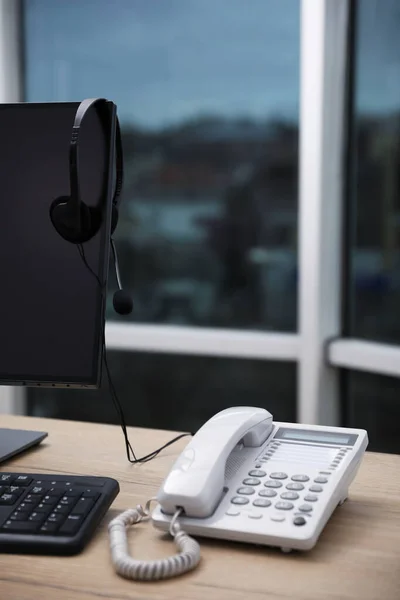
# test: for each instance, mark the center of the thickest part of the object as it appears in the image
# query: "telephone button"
(232, 513)
(262, 502)
(311, 498)
(256, 516)
(300, 478)
(251, 481)
(284, 505)
(299, 521)
(295, 486)
(316, 488)
(278, 518)
(257, 473)
(239, 500)
(267, 493)
(305, 508)
(247, 490)
(321, 480)
(278, 475)
(273, 484)
(290, 496)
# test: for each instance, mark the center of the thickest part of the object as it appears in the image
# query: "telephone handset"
(196, 480)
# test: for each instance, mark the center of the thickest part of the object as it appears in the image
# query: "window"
(374, 405)
(207, 94)
(371, 400)
(375, 198)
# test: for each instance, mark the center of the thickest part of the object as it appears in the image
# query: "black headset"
(75, 221)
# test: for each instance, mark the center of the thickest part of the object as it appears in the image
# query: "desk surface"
(357, 556)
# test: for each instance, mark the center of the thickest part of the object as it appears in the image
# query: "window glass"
(374, 201)
(207, 94)
(175, 392)
(374, 405)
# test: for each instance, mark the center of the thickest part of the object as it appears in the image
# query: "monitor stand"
(15, 441)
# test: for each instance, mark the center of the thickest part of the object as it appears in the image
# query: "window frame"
(317, 346)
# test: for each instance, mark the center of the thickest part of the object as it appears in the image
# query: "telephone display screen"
(322, 437)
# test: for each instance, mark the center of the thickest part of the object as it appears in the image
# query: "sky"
(162, 61)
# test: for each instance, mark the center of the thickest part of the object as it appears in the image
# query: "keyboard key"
(20, 526)
(56, 491)
(37, 517)
(90, 494)
(8, 499)
(67, 501)
(43, 508)
(23, 480)
(83, 506)
(92, 483)
(72, 524)
(56, 518)
(6, 478)
(74, 492)
(14, 489)
(32, 499)
(49, 527)
(20, 515)
(39, 489)
(49, 500)
(62, 509)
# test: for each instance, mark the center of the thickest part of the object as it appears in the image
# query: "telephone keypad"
(283, 505)
(239, 500)
(257, 473)
(295, 486)
(290, 496)
(247, 490)
(251, 481)
(273, 484)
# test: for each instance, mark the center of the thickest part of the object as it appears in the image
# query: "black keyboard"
(51, 514)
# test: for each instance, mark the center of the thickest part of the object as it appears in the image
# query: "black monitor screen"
(51, 307)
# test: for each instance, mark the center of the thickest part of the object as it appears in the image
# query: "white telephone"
(243, 477)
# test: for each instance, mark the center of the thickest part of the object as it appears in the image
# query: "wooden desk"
(357, 556)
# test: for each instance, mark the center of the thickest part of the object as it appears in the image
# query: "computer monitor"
(52, 308)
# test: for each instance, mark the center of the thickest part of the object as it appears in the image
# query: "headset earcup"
(63, 218)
